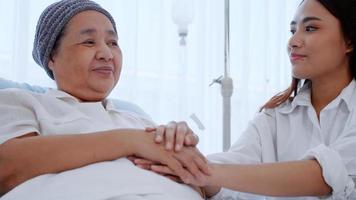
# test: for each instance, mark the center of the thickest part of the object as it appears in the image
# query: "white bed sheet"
(114, 180)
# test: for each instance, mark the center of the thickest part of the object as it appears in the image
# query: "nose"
(104, 53)
(295, 41)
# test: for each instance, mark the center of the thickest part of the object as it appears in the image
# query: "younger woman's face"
(317, 47)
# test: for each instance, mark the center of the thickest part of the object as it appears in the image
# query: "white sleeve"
(17, 117)
(247, 149)
(338, 163)
(226, 194)
(255, 145)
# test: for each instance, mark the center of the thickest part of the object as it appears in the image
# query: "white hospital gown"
(292, 131)
(57, 112)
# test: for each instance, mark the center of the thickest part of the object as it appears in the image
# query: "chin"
(299, 74)
(95, 94)
(103, 87)
(95, 97)
(102, 94)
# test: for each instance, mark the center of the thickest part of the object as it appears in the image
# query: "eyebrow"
(90, 31)
(306, 19)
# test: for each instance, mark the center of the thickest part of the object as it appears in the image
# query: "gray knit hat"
(51, 24)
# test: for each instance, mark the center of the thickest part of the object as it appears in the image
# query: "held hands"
(179, 140)
(197, 179)
(175, 134)
(187, 164)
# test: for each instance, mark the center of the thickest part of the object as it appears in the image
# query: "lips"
(295, 56)
(104, 70)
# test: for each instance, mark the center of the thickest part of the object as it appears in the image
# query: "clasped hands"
(182, 161)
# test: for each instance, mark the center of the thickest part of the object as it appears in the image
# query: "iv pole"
(226, 83)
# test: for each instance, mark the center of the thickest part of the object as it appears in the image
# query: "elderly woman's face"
(87, 62)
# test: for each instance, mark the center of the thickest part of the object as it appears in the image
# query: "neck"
(325, 91)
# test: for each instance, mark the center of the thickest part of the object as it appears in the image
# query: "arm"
(27, 157)
(298, 178)
(288, 179)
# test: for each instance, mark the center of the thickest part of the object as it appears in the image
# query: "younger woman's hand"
(142, 162)
(175, 135)
(188, 164)
(184, 163)
(197, 179)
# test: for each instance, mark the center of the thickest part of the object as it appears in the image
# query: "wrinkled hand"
(188, 163)
(198, 179)
(175, 135)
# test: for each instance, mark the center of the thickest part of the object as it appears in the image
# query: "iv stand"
(226, 83)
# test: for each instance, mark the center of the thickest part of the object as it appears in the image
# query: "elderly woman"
(72, 143)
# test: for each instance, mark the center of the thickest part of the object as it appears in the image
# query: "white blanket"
(114, 180)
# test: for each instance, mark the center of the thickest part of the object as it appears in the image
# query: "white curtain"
(152, 75)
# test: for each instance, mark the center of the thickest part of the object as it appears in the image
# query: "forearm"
(299, 178)
(28, 157)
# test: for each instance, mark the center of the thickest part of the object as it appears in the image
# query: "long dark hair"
(345, 12)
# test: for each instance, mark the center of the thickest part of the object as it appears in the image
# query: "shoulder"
(268, 113)
(15, 96)
(270, 117)
(12, 91)
(284, 110)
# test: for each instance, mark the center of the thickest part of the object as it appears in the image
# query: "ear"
(51, 64)
(51, 61)
(349, 46)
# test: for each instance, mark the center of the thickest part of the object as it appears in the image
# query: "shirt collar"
(303, 98)
(108, 103)
(60, 94)
(348, 94)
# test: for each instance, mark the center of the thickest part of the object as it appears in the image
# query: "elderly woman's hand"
(175, 135)
(188, 163)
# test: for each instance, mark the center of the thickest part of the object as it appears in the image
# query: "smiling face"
(317, 47)
(87, 62)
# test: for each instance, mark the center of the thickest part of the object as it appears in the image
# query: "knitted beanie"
(51, 24)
